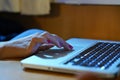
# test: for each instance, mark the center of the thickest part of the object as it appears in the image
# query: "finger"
(45, 47)
(35, 44)
(64, 43)
(58, 41)
(54, 39)
(51, 39)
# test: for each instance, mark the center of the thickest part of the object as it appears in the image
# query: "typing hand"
(28, 45)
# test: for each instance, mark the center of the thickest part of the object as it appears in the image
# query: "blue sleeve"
(27, 32)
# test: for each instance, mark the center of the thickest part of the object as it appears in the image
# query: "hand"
(28, 45)
(45, 41)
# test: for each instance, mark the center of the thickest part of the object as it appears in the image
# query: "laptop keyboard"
(101, 55)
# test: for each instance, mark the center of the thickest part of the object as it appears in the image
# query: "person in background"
(29, 42)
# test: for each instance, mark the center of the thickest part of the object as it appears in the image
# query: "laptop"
(101, 57)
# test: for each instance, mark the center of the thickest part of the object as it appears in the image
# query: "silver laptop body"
(98, 56)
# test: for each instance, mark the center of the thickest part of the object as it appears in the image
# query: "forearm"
(8, 50)
(2, 44)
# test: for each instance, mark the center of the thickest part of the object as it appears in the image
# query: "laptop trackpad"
(53, 53)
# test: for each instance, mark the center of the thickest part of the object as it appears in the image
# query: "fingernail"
(48, 41)
(71, 47)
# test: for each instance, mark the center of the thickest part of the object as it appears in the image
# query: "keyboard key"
(100, 55)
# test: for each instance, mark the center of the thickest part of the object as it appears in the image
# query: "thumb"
(45, 46)
(35, 44)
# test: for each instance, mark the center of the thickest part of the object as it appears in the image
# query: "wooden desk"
(12, 70)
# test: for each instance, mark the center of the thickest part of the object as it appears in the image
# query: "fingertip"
(70, 46)
(49, 41)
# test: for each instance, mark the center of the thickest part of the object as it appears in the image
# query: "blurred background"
(94, 21)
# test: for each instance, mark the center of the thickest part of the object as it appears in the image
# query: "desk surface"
(12, 70)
